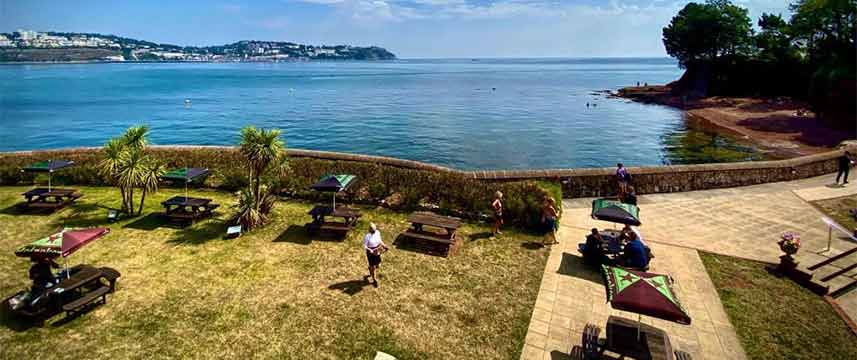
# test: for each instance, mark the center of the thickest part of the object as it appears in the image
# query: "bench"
(110, 274)
(589, 342)
(91, 297)
(681, 355)
(424, 235)
(335, 226)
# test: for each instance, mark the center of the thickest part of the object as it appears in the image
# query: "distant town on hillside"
(33, 46)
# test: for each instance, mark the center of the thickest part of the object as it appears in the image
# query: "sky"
(408, 28)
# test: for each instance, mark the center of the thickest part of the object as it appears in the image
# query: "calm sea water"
(467, 114)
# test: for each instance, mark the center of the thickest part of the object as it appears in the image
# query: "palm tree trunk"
(124, 200)
(142, 201)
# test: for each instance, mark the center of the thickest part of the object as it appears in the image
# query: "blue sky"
(409, 28)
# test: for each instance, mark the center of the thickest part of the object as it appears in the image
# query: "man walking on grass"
(844, 166)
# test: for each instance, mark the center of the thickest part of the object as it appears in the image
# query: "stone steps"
(837, 273)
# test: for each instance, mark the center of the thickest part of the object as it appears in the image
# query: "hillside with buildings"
(32, 46)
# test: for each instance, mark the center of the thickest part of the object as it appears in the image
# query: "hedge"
(446, 192)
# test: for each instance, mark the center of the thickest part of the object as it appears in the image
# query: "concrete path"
(744, 222)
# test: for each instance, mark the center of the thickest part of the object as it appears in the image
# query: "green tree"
(265, 152)
(128, 166)
(704, 32)
(826, 27)
(774, 41)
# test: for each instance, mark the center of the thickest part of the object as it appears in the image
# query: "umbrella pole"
(639, 323)
(334, 200)
(66, 268)
(49, 179)
(185, 190)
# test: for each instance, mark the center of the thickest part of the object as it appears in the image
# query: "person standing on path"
(498, 213)
(622, 178)
(845, 163)
(549, 217)
(374, 247)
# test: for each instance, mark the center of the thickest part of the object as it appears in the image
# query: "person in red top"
(498, 213)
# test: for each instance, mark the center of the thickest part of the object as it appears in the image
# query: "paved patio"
(743, 222)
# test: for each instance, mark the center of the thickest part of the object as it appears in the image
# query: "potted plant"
(790, 244)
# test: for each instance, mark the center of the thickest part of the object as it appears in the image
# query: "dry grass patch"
(275, 293)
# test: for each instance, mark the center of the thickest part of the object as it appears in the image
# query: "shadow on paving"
(350, 287)
(573, 265)
(295, 234)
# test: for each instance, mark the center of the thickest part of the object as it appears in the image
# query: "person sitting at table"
(635, 254)
(42, 275)
(374, 247)
(593, 251)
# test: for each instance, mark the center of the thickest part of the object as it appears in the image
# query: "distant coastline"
(25, 46)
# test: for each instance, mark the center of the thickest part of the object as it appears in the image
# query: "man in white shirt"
(374, 246)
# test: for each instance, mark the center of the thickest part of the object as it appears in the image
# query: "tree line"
(810, 56)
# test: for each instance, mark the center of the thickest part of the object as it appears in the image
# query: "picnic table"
(444, 241)
(622, 338)
(84, 287)
(320, 213)
(188, 209)
(612, 243)
(52, 199)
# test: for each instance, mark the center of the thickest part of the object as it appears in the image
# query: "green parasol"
(48, 166)
(615, 211)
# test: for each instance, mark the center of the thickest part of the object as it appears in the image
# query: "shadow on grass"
(573, 265)
(350, 287)
(532, 245)
(15, 323)
(149, 222)
(480, 236)
(201, 232)
(295, 234)
(84, 215)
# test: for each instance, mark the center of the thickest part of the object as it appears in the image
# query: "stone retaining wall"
(593, 182)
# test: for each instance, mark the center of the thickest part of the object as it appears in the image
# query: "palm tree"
(264, 151)
(128, 166)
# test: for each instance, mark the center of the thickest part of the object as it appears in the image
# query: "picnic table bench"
(443, 242)
(85, 288)
(53, 199)
(622, 338)
(319, 214)
(187, 209)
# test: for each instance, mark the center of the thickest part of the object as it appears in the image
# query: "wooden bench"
(681, 355)
(443, 244)
(334, 226)
(91, 297)
(589, 343)
(111, 275)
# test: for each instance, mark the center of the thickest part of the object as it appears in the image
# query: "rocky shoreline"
(782, 127)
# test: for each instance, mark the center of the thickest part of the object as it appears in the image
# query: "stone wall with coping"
(594, 182)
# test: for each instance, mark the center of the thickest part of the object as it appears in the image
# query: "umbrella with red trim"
(62, 243)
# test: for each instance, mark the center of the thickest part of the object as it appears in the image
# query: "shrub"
(450, 193)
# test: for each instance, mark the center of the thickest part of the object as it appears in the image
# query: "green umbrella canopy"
(186, 174)
(615, 211)
(333, 183)
(644, 293)
(48, 165)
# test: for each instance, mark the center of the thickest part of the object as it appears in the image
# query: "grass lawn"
(274, 293)
(838, 210)
(774, 317)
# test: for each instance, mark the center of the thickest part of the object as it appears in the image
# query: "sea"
(462, 113)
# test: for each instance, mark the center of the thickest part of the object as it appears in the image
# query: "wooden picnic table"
(180, 208)
(50, 199)
(79, 277)
(612, 243)
(653, 343)
(445, 241)
(319, 214)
